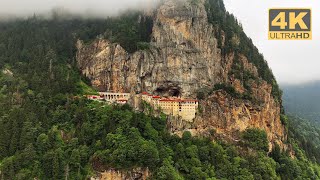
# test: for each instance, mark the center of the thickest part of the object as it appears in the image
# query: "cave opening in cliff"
(175, 92)
(161, 91)
(168, 91)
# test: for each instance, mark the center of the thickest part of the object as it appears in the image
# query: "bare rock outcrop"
(184, 57)
(112, 174)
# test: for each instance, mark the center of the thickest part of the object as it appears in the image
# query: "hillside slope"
(303, 100)
(196, 49)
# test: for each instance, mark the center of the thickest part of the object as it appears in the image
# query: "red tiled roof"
(178, 100)
(189, 100)
(170, 100)
(156, 97)
(145, 93)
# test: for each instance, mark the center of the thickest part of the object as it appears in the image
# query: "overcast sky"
(291, 61)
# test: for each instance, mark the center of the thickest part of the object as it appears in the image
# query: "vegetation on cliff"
(80, 136)
(232, 39)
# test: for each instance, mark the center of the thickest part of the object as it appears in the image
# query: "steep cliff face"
(183, 56)
(182, 59)
(227, 117)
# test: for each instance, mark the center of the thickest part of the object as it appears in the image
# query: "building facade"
(185, 108)
(119, 98)
(177, 107)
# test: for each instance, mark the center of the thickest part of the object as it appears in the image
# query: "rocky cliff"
(134, 174)
(184, 58)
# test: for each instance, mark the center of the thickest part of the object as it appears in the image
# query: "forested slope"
(303, 100)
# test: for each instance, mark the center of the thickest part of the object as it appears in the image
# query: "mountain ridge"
(184, 57)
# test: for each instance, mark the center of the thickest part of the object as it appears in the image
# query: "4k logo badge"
(290, 24)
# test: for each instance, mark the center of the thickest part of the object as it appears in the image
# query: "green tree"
(256, 139)
(167, 172)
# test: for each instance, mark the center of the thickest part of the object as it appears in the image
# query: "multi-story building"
(188, 109)
(185, 108)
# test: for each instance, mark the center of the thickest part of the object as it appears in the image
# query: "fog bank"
(84, 8)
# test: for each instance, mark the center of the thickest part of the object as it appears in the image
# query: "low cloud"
(85, 8)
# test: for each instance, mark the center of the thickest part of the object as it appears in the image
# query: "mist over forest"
(79, 8)
(303, 100)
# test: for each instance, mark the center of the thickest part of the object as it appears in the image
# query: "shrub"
(143, 46)
(256, 139)
(202, 93)
(284, 119)
(229, 89)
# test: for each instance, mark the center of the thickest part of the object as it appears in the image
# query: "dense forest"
(302, 104)
(48, 131)
(307, 135)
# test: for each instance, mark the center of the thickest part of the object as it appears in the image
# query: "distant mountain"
(303, 100)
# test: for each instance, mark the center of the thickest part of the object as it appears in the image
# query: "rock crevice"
(184, 57)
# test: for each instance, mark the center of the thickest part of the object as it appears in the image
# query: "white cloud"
(96, 8)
